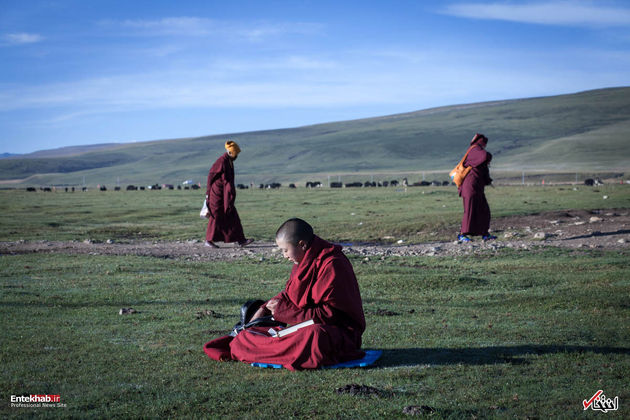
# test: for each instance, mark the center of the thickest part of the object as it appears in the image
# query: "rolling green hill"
(588, 130)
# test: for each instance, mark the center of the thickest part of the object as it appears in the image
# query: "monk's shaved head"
(294, 230)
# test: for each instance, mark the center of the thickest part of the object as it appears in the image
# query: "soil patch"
(606, 229)
(416, 410)
(362, 390)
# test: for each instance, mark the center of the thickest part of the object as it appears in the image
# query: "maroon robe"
(223, 223)
(476, 219)
(323, 288)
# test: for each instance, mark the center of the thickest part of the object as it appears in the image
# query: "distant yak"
(590, 182)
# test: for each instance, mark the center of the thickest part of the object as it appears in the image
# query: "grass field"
(417, 214)
(525, 334)
(518, 334)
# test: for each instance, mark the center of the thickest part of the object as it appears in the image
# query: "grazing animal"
(31, 189)
(393, 183)
(291, 185)
(336, 185)
(354, 185)
(132, 188)
(589, 181)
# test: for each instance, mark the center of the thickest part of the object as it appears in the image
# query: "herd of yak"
(276, 185)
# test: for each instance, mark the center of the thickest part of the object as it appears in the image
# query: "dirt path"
(579, 229)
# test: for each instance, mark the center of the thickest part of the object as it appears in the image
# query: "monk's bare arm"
(262, 311)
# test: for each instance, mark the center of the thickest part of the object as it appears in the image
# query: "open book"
(291, 329)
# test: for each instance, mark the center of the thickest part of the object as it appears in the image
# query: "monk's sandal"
(463, 238)
(245, 242)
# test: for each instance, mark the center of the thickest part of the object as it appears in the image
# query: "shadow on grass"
(595, 234)
(58, 302)
(483, 355)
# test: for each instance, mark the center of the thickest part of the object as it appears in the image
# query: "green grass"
(584, 131)
(517, 334)
(525, 334)
(419, 214)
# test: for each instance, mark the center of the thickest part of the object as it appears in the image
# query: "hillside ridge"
(588, 129)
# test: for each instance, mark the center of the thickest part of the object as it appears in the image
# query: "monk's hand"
(272, 305)
(262, 311)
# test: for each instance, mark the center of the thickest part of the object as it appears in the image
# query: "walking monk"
(323, 288)
(476, 219)
(224, 223)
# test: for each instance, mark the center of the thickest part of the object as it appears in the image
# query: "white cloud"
(187, 26)
(193, 89)
(410, 79)
(294, 62)
(21, 38)
(567, 13)
(202, 27)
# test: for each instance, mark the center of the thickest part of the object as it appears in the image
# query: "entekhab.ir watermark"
(37, 401)
(599, 402)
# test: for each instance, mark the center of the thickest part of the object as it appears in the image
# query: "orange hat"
(232, 148)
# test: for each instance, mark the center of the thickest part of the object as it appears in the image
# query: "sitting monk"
(322, 287)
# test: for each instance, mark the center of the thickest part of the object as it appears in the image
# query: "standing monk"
(476, 219)
(323, 288)
(224, 223)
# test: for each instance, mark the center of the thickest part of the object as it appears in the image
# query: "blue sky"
(86, 72)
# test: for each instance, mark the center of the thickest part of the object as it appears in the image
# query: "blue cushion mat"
(370, 357)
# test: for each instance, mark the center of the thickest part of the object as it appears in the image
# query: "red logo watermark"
(599, 402)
